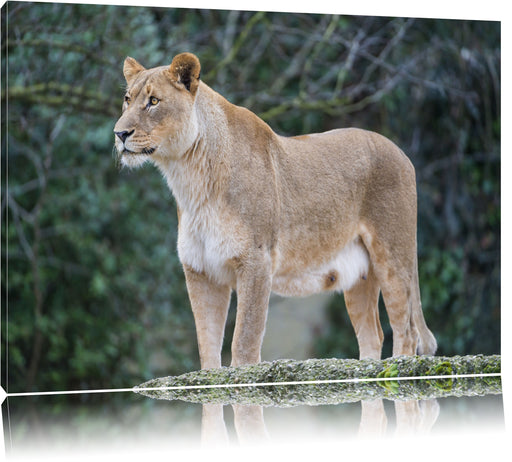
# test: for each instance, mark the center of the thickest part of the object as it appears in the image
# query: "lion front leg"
(250, 424)
(213, 426)
(210, 303)
(254, 281)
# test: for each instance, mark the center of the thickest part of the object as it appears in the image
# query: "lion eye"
(153, 101)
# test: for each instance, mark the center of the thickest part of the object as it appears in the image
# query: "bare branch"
(242, 37)
(16, 214)
(318, 46)
(381, 59)
(349, 62)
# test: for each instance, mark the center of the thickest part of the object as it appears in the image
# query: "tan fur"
(259, 212)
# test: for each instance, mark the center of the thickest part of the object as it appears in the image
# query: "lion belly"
(339, 274)
(208, 245)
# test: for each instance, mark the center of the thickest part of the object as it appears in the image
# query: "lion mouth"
(144, 151)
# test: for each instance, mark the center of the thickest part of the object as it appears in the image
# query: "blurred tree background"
(93, 293)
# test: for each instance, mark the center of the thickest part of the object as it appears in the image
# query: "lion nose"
(124, 134)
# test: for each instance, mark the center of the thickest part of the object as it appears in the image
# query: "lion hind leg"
(395, 270)
(362, 301)
(427, 344)
(399, 309)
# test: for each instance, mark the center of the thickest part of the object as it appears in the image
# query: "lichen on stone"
(331, 381)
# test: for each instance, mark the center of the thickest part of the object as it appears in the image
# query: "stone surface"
(332, 381)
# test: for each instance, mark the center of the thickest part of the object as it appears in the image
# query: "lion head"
(158, 119)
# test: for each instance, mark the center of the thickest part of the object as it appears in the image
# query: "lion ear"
(131, 69)
(186, 69)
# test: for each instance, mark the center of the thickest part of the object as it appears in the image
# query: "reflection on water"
(416, 408)
(47, 427)
(412, 418)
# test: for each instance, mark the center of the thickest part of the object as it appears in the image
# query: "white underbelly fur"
(340, 274)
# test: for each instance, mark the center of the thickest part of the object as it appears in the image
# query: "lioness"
(259, 212)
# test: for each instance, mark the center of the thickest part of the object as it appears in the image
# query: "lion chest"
(207, 242)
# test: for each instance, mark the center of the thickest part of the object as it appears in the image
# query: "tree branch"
(53, 44)
(62, 95)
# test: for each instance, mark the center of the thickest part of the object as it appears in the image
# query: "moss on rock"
(369, 379)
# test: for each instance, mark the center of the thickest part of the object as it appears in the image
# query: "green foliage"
(94, 290)
(93, 284)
